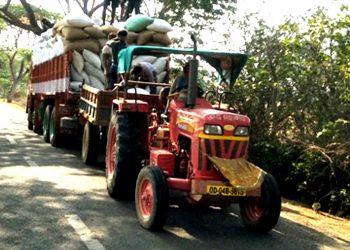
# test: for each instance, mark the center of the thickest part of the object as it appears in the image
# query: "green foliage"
(6, 80)
(337, 131)
(319, 179)
(295, 88)
(19, 12)
(194, 16)
(276, 158)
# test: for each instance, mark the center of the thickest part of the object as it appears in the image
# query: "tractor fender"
(130, 106)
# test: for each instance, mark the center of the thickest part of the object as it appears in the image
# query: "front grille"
(227, 149)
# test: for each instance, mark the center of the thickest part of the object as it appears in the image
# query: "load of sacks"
(79, 34)
(145, 30)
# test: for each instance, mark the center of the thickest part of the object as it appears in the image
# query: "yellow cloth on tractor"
(240, 172)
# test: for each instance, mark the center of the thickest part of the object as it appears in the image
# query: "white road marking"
(84, 232)
(10, 139)
(30, 162)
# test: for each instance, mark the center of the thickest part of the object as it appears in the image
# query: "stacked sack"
(144, 30)
(85, 39)
(78, 33)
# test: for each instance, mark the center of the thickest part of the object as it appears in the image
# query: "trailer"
(51, 102)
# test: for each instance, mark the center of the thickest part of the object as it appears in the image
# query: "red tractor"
(198, 148)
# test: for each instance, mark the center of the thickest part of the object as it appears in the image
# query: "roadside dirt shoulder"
(322, 222)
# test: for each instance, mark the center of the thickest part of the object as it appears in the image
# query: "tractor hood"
(194, 120)
(222, 61)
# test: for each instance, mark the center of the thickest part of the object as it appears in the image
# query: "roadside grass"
(17, 103)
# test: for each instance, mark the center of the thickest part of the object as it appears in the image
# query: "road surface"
(50, 200)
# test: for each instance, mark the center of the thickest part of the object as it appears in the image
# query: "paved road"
(50, 200)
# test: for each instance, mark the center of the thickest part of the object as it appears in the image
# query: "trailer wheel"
(261, 214)
(54, 134)
(38, 129)
(124, 154)
(30, 119)
(46, 123)
(151, 198)
(90, 144)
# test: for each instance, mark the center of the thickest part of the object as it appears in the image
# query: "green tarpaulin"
(214, 58)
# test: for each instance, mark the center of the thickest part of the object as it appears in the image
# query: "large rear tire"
(124, 154)
(261, 214)
(90, 144)
(151, 198)
(46, 123)
(55, 137)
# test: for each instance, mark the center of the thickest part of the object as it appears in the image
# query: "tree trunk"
(12, 92)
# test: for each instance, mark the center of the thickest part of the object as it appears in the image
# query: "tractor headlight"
(210, 129)
(241, 131)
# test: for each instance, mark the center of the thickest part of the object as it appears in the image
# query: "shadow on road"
(34, 201)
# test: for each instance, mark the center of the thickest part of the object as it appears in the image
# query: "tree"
(29, 17)
(295, 88)
(16, 61)
(26, 16)
(191, 16)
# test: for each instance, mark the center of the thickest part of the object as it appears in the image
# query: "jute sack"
(108, 29)
(138, 59)
(78, 61)
(132, 37)
(75, 86)
(92, 58)
(95, 32)
(102, 42)
(144, 37)
(160, 64)
(59, 25)
(78, 20)
(160, 25)
(95, 82)
(72, 33)
(154, 44)
(93, 71)
(85, 77)
(161, 76)
(138, 22)
(161, 38)
(80, 45)
(74, 75)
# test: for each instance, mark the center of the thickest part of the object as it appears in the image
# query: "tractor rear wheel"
(261, 213)
(124, 153)
(54, 134)
(151, 198)
(46, 123)
(90, 145)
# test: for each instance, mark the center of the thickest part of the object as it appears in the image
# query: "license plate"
(225, 191)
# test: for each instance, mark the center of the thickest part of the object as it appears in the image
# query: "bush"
(311, 174)
(276, 158)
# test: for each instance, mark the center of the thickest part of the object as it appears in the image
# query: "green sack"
(138, 22)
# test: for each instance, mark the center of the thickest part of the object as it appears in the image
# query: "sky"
(273, 11)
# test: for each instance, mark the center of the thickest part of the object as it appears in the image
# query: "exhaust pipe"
(193, 76)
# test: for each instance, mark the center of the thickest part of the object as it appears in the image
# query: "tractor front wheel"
(262, 213)
(151, 198)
